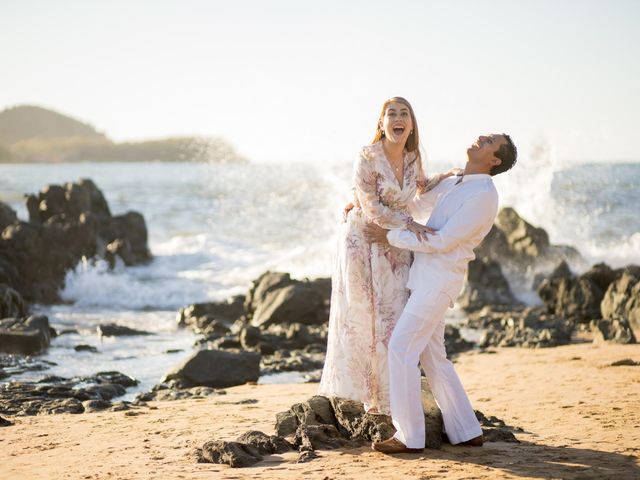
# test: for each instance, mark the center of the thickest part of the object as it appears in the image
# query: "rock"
(199, 315)
(576, 298)
(275, 298)
(26, 337)
(5, 423)
(486, 285)
(531, 327)
(85, 348)
(96, 405)
(454, 343)
(114, 330)
(250, 337)
(217, 369)
(306, 456)
(612, 330)
(7, 216)
(11, 303)
(354, 422)
(173, 391)
(313, 437)
(286, 423)
(622, 298)
(626, 362)
(523, 238)
(66, 224)
(265, 444)
(434, 425)
(293, 361)
(235, 454)
(499, 435)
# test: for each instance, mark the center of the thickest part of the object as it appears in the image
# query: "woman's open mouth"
(398, 130)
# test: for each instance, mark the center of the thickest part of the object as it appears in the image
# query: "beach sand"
(581, 419)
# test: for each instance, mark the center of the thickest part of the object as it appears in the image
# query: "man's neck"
(473, 169)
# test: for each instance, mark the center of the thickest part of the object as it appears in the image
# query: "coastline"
(580, 415)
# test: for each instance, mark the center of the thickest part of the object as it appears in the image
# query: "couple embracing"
(396, 276)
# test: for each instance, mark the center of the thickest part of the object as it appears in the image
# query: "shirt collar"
(470, 177)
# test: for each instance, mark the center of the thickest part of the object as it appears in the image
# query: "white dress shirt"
(463, 214)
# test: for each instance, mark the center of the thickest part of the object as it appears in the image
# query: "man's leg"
(460, 421)
(410, 337)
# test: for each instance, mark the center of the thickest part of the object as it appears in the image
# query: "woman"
(368, 285)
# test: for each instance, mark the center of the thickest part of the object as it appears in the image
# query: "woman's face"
(396, 123)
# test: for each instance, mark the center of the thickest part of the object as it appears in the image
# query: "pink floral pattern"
(369, 283)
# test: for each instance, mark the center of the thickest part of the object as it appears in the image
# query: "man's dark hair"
(508, 153)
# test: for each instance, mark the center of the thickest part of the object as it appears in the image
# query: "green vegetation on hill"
(30, 134)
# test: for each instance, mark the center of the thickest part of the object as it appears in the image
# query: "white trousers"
(419, 336)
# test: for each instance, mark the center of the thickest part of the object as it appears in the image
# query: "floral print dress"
(369, 283)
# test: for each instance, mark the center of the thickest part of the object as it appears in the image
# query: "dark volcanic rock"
(454, 343)
(60, 395)
(200, 315)
(275, 298)
(235, 454)
(622, 298)
(11, 303)
(114, 330)
(217, 369)
(25, 336)
(174, 390)
(312, 437)
(265, 444)
(85, 348)
(5, 423)
(486, 285)
(612, 330)
(7, 216)
(531, 327)
(66, 223)
(576, 298)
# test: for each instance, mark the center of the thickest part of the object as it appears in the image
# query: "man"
(464, 208)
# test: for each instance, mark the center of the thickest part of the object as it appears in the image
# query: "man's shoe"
(474, 442)
(393, 445)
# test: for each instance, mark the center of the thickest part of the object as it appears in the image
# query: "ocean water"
(214, 228)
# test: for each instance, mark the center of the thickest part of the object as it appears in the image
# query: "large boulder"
(25, 336)
(612, 330)
(278, 299)
(66, 223)
(524, 240)
(217, 369)
(7, 216)
(11, 303)
(200, 315)
(576, 297)
(486, 285)
(622, 298)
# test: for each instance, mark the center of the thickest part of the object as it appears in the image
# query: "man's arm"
(476, 212)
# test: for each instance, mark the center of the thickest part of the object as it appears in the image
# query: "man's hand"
(420, 231)
(376, 234)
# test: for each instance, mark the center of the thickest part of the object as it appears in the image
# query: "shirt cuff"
(393, 235)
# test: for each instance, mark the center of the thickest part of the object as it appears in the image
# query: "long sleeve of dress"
(366, 190)
(478, 211)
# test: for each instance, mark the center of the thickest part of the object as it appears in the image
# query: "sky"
(304, 81)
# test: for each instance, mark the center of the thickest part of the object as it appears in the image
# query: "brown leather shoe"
(474, 442)
(393, 445)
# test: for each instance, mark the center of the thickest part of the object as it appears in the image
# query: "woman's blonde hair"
(413, 141)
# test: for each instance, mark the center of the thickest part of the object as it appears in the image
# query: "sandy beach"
(580, 416)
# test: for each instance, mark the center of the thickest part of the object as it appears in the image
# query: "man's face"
(482, 151)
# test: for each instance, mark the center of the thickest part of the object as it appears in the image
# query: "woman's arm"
(366, 192)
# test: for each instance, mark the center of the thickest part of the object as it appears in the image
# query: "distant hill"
(30, 134)
(28, 121)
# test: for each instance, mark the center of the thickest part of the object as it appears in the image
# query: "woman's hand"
(451, 172)
(420, 231)
(345, 213)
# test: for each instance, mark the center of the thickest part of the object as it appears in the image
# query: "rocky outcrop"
(216, 369)
(486, 285)
(25, 336)
(521, 247)
(612, 330)
(115, 330)
(60, 395)
(622, 297)
(531, 327)
(11, 303)
(576, 297)
(277, 299)
(66, 223)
